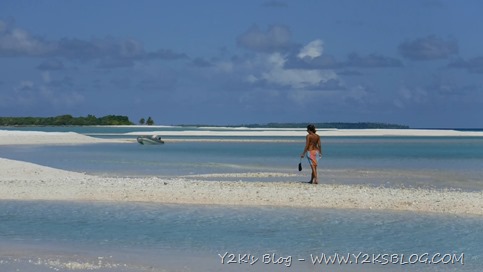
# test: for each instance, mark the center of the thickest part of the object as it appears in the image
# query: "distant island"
(116, 120)
(337, 125)
(66, 120)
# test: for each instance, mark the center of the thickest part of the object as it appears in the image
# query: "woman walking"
(313, 151)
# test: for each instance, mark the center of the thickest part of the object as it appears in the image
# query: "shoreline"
(27, 181)
(21, 137)
(321, 132)
(241, 131)
(14, 137)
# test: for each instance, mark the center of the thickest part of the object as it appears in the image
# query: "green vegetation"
(149, 122)
(91, 120)
(66, 120)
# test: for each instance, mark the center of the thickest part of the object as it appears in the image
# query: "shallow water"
(66, 236)
(449, 162)
(154, 235)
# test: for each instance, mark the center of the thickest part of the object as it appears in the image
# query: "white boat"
(150, 140)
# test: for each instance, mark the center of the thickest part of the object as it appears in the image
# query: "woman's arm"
(306, 146)
(319, 144)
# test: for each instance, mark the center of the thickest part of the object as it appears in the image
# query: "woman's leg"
(316, 180)
(314, 174)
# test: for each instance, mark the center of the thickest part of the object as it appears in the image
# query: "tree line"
(148, 122)
(66, 120)
(91, 120)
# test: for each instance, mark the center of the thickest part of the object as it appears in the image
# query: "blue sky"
(412, 62)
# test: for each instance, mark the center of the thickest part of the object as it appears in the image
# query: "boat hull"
(150, 140)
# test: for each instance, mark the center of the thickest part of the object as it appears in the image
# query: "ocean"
(73, 236)
(434, 162)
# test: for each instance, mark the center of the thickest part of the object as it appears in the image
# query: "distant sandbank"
(13, 137)
(321, 132)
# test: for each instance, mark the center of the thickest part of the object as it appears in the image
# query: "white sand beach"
(27, 181)
(247, 132)
(11, 137)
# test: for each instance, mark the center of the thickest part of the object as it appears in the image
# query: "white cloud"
(312, 50)
(276, 60)
(296, 78)
(251, 79)
(15, 41)
(276, 74)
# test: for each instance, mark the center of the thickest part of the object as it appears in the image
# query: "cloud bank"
(428, 48)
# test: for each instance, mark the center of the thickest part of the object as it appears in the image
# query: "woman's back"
(313, 141)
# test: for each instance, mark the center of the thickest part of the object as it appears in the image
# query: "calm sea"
(440, 162)
(65, 236)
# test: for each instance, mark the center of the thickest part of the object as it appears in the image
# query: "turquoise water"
(51, 236)
(153, 230)
(441, 162)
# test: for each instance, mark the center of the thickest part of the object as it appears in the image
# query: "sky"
(226, 62)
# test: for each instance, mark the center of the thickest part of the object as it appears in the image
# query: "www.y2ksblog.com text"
(341, 259)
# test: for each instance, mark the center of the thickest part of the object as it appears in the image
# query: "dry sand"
(10, 137)
(27, 181)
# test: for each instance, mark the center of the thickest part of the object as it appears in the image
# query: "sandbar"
(321, 132)
(13, 137)
(26, 181)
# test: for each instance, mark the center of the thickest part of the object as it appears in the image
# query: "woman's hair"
(311, 128)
